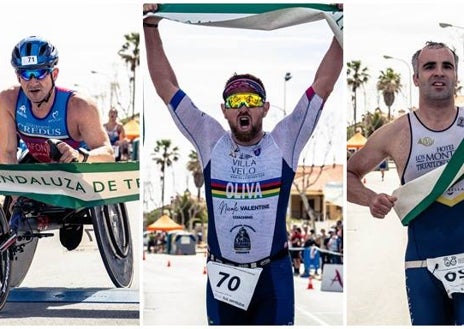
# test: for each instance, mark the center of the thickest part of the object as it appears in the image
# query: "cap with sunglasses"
(33, 53)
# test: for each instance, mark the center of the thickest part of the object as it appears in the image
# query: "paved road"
(176, 294)
(76, 285)
(376, 293)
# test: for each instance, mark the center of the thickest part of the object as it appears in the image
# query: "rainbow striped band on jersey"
(243, 85)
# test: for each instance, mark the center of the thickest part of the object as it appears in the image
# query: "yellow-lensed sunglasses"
(250, 100)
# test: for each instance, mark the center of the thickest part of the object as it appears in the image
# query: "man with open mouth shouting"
(248, 176)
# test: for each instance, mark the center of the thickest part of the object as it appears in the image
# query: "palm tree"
(389, 84)
(357, 77)
(130, 53)
(373, 121)
(194, 166)
(164, 156)
(186, 209)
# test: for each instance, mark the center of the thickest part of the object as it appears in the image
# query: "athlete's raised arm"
(160, 69)
(329, 70)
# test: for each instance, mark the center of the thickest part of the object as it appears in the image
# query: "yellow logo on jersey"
(426, 141)
(453, 196)
(450, 202)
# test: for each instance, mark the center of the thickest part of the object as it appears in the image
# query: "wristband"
(150, 25)
(85, 153)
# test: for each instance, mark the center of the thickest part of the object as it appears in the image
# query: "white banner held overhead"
(253, 16)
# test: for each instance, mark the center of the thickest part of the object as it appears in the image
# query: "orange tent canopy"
(132, 129)
(356, 142)
(164, 223)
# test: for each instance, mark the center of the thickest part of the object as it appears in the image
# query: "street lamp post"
(113, 86)
(445, 25)
(410, 77)
(287, 77)
(99, 98)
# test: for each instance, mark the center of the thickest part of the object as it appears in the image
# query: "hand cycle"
(110, 224)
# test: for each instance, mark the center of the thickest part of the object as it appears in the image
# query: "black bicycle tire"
(5, 263)
(119, 265)
(21, 262)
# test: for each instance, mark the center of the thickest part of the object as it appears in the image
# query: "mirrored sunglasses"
(250, 100)
(39, 74)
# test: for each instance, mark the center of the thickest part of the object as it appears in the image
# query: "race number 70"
(233, 282)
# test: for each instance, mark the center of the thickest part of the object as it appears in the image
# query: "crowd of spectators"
(313, 250)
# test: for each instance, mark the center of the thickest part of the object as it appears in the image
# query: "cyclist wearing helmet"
(38, 110)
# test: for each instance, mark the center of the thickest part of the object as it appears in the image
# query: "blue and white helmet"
(33, 53)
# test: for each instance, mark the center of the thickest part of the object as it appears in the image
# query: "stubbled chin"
(244, 136)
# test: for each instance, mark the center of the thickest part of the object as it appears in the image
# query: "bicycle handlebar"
(55, 153)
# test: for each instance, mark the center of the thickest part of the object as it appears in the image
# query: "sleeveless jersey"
(113, 134)
(431, 149)
(247, 188)
(35, 131)
(439, 229)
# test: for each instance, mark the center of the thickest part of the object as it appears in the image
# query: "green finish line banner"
(415, 196)
(253, 16)
(72, 185)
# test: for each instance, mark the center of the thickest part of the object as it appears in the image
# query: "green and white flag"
(253, 16)
(416, 195)
(72, 185)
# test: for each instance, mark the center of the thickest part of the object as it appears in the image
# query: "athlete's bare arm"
(329, 70)
(8, 142)
(161, 72)
(392, 141)
(84, 124)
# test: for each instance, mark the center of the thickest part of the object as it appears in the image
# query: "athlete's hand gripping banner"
(254, 16)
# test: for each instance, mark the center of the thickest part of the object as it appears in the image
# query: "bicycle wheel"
(22, 260)
(113, 235)
(5, 263)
